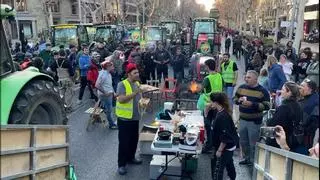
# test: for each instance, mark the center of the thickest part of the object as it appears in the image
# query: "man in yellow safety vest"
(229, 72)
(211, 83)
(127, 111)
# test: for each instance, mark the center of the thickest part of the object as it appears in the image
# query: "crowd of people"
(275, 78)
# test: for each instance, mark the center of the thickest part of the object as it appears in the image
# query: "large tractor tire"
(39, 102)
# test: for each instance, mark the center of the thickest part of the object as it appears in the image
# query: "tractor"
(65, 34)
(154, 34)
(27, 96)
(173, 28)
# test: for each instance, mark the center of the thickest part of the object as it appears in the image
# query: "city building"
(311, 16)
(34, 18)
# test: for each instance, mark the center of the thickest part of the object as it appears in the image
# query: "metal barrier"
(277, 164)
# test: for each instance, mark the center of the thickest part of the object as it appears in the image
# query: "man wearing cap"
(127, 111)
(46, 55)
(106, 91)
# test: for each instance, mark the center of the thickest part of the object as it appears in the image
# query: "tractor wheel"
(39, 102)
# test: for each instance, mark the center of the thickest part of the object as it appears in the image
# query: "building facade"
(311, 16)
(33, 17)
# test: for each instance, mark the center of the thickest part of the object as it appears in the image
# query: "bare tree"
(147, 8)
(47, 6)
(92, 8)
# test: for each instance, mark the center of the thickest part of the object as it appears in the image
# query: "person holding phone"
(282, 142)
(289, 115)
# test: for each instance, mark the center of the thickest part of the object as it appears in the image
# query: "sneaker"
(135, 161)
(122, 170)
(79, 101)
(245, 162)
(113, 127)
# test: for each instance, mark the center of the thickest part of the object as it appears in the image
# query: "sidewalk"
(314, 46)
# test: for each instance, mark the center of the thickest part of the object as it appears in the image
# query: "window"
(14, 30)
(21, 5)
(74, 8)
(154, 34)
(314, 7)
(55, 7)
(204, 27)
(65, 36)
(83, 34)
(6, 63)
(103, 33)
(8, 2)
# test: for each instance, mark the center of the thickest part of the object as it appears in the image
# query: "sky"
(207, 3)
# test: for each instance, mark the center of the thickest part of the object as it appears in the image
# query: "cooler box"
(157, 165)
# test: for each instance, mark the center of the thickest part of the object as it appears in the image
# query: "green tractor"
(204, 32)
(154, 34)
(28, 96)
(65, 34)
(173, 28)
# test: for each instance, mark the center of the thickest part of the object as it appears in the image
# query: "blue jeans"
(249, 135)
(106, 103)
(229, 91)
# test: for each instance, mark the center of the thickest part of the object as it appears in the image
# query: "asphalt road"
(94, 154)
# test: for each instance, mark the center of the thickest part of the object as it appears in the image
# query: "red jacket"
(92, 74)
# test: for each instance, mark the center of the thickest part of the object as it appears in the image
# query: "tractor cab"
(65, 34)
(91, 29)
(154, 34)
(105, 32)
(173, 30)
(203, 34)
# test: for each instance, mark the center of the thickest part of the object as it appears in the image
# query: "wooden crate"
(277, 164)
(46, 137)
(34, 152)
(14, 164)
(50, 157)
(13, 139)
(53, 174)
(304, 172)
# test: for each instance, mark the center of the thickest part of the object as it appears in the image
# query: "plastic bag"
(202, 101)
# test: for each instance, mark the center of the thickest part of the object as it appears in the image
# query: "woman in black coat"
(224, 137)
(289, 115)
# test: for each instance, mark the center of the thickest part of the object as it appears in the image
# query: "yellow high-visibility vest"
(227, 73)
(125, 110)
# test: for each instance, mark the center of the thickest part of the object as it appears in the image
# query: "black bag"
(298, 130)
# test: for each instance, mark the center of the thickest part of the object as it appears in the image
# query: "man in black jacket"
(102, 51)
(178, 62)
(162, 60)
(148, 62)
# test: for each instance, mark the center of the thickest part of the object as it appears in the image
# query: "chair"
(154, 95)
(169, 93)
(95, 116)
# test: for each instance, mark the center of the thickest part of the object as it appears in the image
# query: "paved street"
(94, 154)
